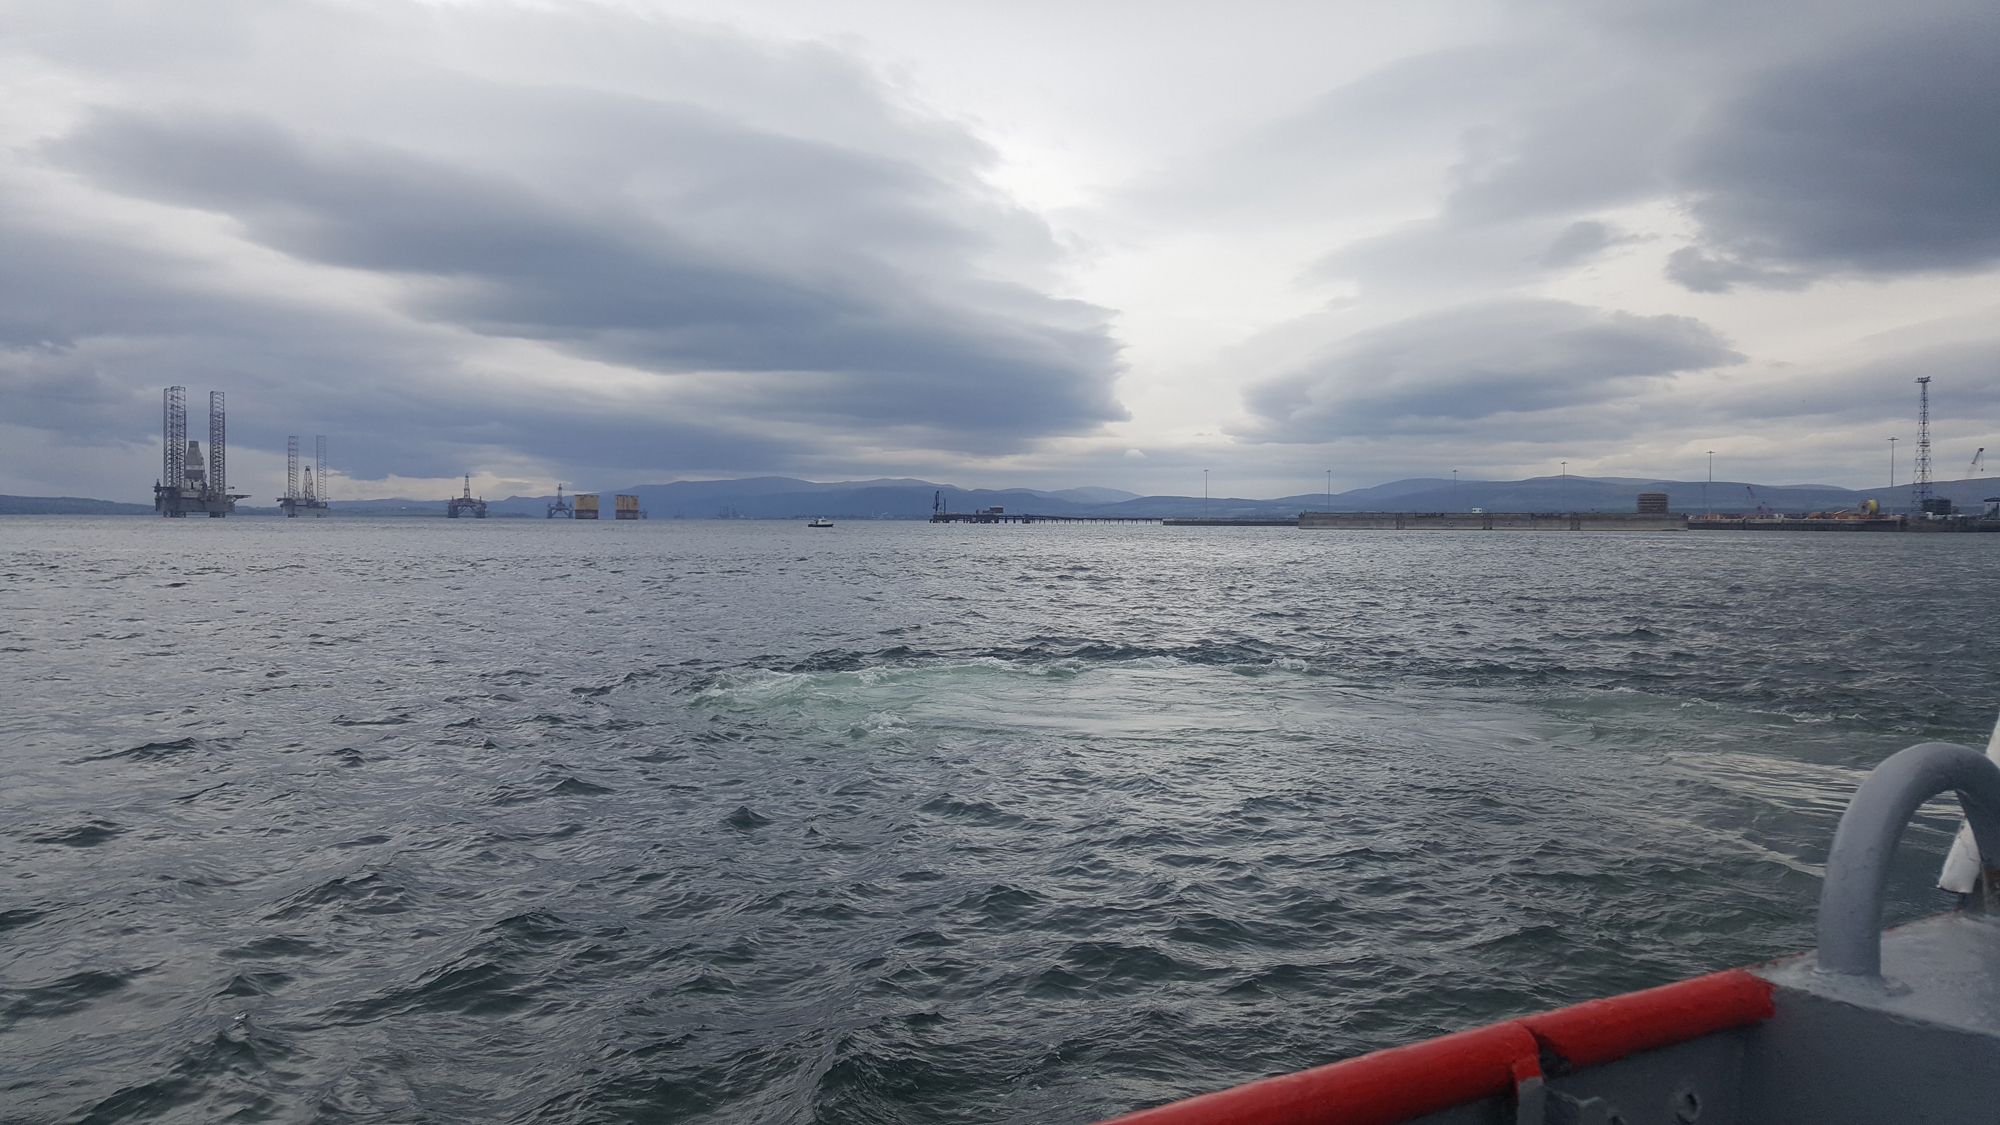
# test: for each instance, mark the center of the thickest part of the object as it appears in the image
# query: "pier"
(1493, 521)
(995, 515)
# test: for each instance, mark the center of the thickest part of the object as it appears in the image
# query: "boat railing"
(1857, 869)
(1756, 1044)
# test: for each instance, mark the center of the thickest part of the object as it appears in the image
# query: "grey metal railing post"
(1857, 870)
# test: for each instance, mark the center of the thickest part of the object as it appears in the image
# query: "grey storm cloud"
(1803, 141)
(1881, 156)
(354, 218)
(1443, 371)
(92, 328)
(922, 342)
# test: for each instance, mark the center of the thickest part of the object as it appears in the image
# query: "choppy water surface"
(745, 822)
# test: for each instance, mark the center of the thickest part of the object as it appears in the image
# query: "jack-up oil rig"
(185, 486)
(307, 500)
(466, 503)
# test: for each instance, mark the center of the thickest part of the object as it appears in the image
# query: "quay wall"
(1753, 523)
(1878, 523)
(1491, 521)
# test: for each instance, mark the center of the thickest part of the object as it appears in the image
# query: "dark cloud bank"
(1482, 361)
(847, 292)
(1805, 143)
(1878, 157)
(924, 343)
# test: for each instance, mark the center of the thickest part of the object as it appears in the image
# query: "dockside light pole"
(1204, 494)
(1329, 490)
(1709, 481)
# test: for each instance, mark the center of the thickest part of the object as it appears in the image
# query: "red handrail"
(1397, 1084)
(1598, 1031)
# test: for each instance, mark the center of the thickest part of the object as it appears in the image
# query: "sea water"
(510, 820)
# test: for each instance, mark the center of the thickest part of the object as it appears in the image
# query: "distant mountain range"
(789, 498)
(68, 506)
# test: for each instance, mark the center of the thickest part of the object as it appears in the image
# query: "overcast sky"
(1024, 243)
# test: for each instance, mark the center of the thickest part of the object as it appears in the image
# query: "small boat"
(1871, 1027)
(819, 521)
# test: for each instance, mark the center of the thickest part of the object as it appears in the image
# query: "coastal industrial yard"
(196, 482)
(1537, 521)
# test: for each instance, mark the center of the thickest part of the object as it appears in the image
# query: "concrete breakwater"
(1492, 521)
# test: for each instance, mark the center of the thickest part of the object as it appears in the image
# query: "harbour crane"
(1975, 461)
(1761, 510)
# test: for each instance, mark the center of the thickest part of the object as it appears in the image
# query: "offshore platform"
(185, 487)
(306, 500)
(466, 503)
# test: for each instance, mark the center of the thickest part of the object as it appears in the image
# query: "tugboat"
(819, 521)
(1872, 1027)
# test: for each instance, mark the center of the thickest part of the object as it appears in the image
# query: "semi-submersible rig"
(185, 487)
